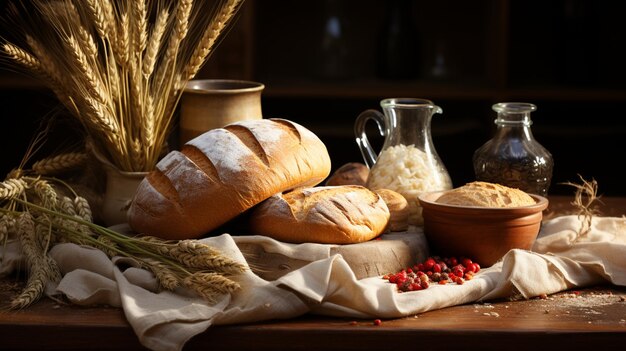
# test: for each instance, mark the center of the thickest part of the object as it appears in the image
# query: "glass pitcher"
(408, 162)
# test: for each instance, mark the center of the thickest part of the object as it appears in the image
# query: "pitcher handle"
(369, 155)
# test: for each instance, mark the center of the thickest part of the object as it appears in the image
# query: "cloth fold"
(322, 282)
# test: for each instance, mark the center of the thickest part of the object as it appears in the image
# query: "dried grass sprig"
(119, 66)
(584, 198)
(40, 215)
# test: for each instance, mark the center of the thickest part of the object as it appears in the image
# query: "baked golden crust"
(484, 194)
(344, 214)
(222, 173)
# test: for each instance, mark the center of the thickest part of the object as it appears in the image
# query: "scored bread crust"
(222, 173)
(345, 214)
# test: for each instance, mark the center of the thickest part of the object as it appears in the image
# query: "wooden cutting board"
(389, 253)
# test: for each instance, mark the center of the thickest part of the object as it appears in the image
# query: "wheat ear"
(41, 268)
(11, 188)
(60, 163)
(209, 37)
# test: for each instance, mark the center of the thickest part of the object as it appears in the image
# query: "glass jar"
(513, 157)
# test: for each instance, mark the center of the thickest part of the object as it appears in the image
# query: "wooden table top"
(570, 320)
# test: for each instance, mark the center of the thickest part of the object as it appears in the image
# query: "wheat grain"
(6, 228)
(210, 286)
(121, 47)
(67, 206)
(12, 187)
(45, 193)
(99, 17)
(46, 64)
(154, 44)
(140, 30)
(100, 117)
(165, 276)
(148, 125)
(23, 58)
(109, 15)
(86, 78)
(210, 36)
(83, 210)
(108, 246)
(39, 271)
(137, 153)
(60, 163)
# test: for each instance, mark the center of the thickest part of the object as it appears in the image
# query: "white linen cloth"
(165, 320)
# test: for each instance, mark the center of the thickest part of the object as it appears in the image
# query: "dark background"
(565, 56)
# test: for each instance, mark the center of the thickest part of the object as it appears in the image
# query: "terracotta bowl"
(483, 234)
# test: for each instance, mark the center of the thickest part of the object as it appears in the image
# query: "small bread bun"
(398, 210)
(345, 214)
(353, 173)
(484, 194)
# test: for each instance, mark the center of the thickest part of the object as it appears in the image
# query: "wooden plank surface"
(572, 320)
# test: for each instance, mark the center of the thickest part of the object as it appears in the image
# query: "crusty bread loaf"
(485, 194)
(352, 173)
(326, 214)
(398, 210)
(222, 173)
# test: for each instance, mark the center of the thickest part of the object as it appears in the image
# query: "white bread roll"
(222, 173)
(344, 214)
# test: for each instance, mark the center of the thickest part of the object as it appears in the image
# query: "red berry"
(428, 265)
(466, 262)
(437, 268)
(377, 322)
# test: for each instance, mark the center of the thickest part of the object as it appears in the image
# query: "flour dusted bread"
(486, 194)
(345, 214)
(222, 173)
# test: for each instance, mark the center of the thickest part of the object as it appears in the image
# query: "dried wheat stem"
(60, 163)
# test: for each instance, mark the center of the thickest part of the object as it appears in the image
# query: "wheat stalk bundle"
(40, 211)
(119, 67)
